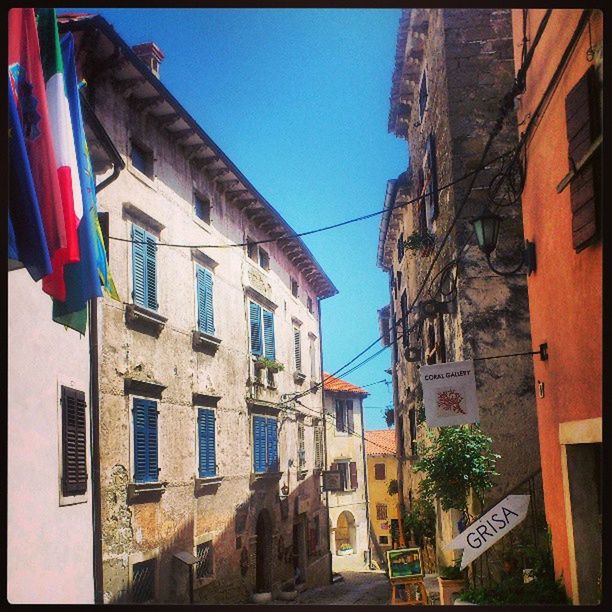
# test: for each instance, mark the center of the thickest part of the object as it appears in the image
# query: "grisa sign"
(490, 528)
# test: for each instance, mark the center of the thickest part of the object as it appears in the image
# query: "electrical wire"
(320, 229)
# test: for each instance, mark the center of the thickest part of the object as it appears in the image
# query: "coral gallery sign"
(490, 528)
(449, 393)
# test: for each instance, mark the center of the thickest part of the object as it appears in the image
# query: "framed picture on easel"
(404, 564)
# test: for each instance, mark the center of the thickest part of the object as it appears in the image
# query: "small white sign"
(449, 393)
(490, 528)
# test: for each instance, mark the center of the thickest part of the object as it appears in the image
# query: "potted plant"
(418, 242)
(345, 549)
(458, 460)
(260, 363)
(451, 582)
(274, 366)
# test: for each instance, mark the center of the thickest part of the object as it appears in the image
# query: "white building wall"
(345, 446)
(49, 545)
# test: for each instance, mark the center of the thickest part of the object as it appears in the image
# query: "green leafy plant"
(542, 588)
(270, 364)
(420, 521)
(417, 241)
(451, 572)
(392, 488)
(457, 460)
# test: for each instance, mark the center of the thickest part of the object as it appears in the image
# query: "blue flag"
(27, 239)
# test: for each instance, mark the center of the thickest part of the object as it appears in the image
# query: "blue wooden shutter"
(268, 323)
(139, 282)
(204, 293)
(152, 442)
(151, 261)
(255, 320)
(206, 443)
(259, 444)
(210, 319)
(272, 445)
(145, 440)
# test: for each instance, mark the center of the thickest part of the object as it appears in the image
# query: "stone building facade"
(203, 455)
(344, 443)
(453, 67)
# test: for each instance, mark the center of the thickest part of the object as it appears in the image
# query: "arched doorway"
(345, 530)
(263, 555)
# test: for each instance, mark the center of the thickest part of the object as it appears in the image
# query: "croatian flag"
(63, 144)
(28, 89)
(27, 240)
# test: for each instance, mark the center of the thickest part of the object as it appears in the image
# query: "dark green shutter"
(74, 442)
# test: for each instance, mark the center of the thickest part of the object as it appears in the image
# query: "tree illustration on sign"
(450, 401)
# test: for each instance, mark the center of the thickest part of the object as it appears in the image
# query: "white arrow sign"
(490, 528)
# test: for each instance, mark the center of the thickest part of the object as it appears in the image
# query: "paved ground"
(360, 586)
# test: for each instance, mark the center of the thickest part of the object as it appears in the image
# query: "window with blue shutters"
(204, 296)
(144, 415)
(206, 443)
(265, 444)
(261, 323)
(144, 268)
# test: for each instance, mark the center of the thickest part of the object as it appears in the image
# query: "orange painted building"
(559, 117)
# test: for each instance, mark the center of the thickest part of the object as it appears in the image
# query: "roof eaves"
(93, 21)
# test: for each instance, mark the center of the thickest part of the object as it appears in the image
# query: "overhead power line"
(320, 229)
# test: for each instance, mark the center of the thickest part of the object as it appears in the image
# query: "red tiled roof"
(380, 442)
(331, 383)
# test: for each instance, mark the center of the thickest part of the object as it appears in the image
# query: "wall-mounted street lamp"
(486, 225)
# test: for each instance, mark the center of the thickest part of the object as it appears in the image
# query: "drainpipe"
(324, 439)
(365, 480)
(94, 392)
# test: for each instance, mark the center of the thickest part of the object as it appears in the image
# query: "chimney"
(151, 55)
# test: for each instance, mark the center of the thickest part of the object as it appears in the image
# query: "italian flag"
(63, 144)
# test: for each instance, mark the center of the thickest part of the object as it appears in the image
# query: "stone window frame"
(149, 151)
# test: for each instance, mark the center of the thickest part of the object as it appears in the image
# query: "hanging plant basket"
(420, 243)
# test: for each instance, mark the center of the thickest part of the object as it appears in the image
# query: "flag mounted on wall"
(27, 85)
(82, 279)
(449, 393)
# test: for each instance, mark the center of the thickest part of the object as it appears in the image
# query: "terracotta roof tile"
(331, 383)
(380, 442)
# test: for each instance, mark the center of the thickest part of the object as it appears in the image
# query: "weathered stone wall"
(467, 54)
(182, 515)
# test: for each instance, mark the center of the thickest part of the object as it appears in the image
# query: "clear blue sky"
(298, 99)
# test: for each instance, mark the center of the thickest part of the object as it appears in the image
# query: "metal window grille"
(381, 511)
(143, 581)
(318, 434)
(204, 553)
